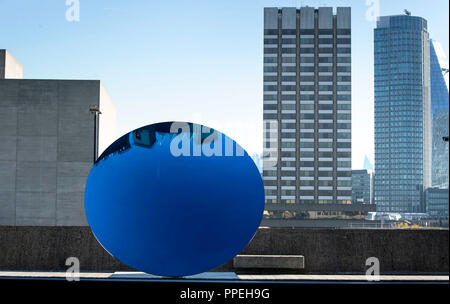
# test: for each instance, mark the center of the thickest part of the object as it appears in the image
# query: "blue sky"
(188, 60)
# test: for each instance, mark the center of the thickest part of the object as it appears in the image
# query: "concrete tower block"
(10, 67)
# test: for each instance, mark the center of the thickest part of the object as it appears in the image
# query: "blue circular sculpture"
(174, 199)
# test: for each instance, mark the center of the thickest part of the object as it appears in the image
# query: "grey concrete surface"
(47, 148)
(221, 276)
(200, 276)
(271, 261)
(326, 251)
(47, 145)
(10, 67)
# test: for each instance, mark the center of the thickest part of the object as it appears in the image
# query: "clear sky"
(195, 61)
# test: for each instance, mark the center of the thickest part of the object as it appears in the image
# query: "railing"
(372, 225)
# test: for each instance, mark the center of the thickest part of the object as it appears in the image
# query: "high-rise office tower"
(436, 201)
(361, 186)
(402, 113)
(307, 108)
(439, 114)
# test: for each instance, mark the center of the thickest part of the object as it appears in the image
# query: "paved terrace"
(219, 276)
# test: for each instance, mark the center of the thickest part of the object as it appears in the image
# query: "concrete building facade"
(47, 147)
(10, 67)
(439, 114)
(307, 110)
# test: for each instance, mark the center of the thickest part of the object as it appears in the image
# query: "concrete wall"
(344, 15)
(346, 250)
(46, 150)
(270, 18)
(325, 250)
(325, 17)
(307, 18)
(10, 67)
(107, 121)
(47, 248)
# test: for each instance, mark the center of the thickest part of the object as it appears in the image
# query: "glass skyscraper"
(307, 110)
(436, 202)
(361, 186)
(402, 113)
(439, 115)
